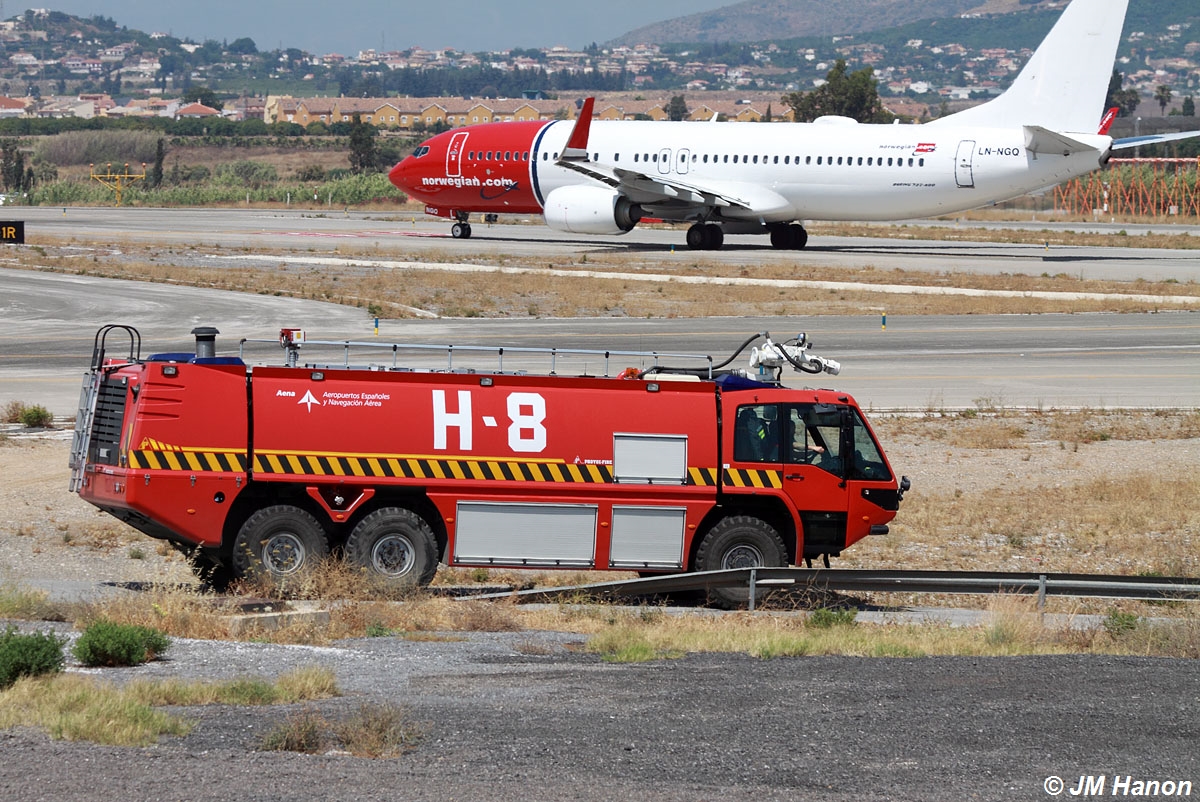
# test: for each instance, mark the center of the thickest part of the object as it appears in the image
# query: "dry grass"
(538, 294)
(1014, 428)
(966, 232)
(1139, 523)
(1012, 627)
(373, 731)
(77, 708)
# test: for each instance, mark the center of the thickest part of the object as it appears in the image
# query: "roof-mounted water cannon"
(291, 340)
(794, 352)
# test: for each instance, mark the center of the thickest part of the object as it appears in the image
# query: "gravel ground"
(522, 716)
(503, 724)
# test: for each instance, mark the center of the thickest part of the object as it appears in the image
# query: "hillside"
(761, 20)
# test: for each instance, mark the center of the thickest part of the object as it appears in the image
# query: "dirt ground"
(1017, 492)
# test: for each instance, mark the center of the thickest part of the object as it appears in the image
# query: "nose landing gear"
(461, 228)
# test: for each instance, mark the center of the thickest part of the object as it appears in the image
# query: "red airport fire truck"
(261, 470)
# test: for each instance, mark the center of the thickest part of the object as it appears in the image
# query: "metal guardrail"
(894, 581)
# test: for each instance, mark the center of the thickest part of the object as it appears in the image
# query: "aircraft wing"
(649, 189)
(1151, 139)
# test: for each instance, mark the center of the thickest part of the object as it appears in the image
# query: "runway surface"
(47, 320)
(394, 235)
(47, 323)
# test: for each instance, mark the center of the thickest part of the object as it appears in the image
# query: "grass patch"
(74, 708)
(299, 685)
(1012, 627)
(77, 708)
(527, 288)
(27, 605)
(372, 730)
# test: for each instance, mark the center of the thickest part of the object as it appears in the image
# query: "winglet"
(1107, 121)
(577, 143)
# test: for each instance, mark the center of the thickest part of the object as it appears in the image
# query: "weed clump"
(376, 731)
(33, 417)
(105, 643)
(29, 655)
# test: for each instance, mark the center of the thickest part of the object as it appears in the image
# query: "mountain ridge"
(762, 20)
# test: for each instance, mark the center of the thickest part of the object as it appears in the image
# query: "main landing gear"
(705, 237)
(792, 237)
(711, 236)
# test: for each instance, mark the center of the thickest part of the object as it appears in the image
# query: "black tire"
(697, 237)
(278, 543)
(213, 574)
(395, 546)
(461, 230)
(716, 237)
(739, 541)
(799, 237)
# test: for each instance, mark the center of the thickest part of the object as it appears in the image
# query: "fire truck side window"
(756, 435)
(868, 463)
(814, 437)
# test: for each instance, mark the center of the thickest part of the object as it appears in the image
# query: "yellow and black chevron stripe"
(734, 477)
(180, 460)
(160, 456)
(427, 468)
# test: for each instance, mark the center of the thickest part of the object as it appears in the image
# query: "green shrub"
(827, 617)
(36, 416)
(1118, 623)
(28, 655)
(105, 643)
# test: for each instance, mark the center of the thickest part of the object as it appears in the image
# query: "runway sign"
(12, 231)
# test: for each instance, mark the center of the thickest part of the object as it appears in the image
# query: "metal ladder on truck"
(85, 416)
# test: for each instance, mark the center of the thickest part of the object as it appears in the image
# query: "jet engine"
(582, 209)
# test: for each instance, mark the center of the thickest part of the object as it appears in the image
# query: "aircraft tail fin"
(1063, 85)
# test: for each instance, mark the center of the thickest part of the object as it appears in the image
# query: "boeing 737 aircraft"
(754, 178)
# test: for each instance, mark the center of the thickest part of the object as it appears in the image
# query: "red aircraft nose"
(397, 173)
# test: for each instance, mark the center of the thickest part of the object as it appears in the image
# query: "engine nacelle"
(583, 209)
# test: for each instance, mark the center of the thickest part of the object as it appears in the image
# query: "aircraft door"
(664, 161)
(964, 174)
(454, 154)
(682, 160)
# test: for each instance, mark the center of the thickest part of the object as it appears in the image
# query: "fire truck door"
(814, 473)
(804, 443)
(872, 490)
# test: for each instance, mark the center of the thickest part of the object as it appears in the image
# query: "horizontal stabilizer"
(1151, 139)
(1043, 140)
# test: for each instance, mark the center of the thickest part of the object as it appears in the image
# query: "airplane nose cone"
(397, 174)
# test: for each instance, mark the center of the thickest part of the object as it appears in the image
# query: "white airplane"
(751, 178)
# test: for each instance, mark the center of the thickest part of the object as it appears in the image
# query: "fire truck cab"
(261, 470)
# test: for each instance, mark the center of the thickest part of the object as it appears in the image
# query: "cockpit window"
(421, 151)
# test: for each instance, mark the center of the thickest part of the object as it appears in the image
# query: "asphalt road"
(48, 321)
(517, 716)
